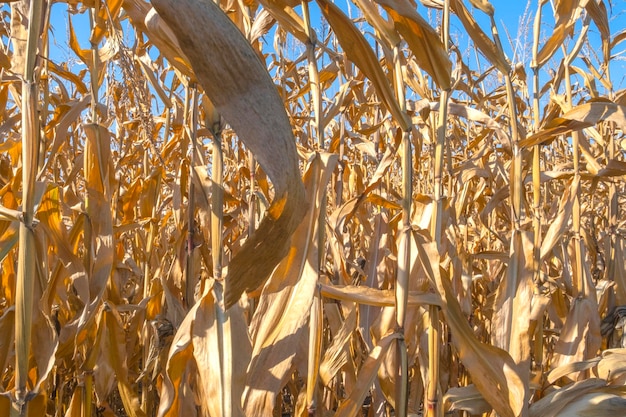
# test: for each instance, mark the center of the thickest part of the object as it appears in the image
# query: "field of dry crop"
(221, 209)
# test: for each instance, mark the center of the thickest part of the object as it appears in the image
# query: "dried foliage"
(359, 220)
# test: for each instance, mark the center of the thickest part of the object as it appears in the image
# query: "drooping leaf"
(239, 86)
(279, 321)
(360, 52)
(423, 40)
(493, 371)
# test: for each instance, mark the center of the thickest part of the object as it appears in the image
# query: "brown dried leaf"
(212, 325)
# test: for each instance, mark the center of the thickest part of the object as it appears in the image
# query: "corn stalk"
(27, 253)
(432, 399)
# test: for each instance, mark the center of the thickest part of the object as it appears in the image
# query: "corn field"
(284, 208)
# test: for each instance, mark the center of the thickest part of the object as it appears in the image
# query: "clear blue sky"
(514, 19)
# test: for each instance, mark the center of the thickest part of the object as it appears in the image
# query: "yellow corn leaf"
(107, 14)
(114, 346)
(338, 353)
(555, 403)
(466, 398)
(75, 408)
(493, 370)
(383, 27)
(566, 13)
(64, 117)
(558, 225)
(358, 50)
(49, 214)
(580, 336)
(7, 323)
(98, 167)
(287, 17)
(424, 41)
(482, 41)
(365, 378)
(145, 18)
(279, 321)
(580, 117)
(238, 84)
(374, 297)
(484, 5)
(69, 76)
(83, 54)
(222, 373)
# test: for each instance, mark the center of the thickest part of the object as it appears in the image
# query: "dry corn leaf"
(559, 225)
(566, 14)
(145, 18)
(580, 337)
(493, 371)
(570, 368)
(338, 353)
(595, 404)
(114, 345)
(358, 50)
(482, 41)
(242, 91)
(612, 366)
(221, 349)
(278, 325)
(383, 27)
(466, 398)
(511, 317)
(484, 5)
(107, 14)
(172, 403)
(365, 378)
(579, 117)
(287, 18)
(424, 41)
(373, 297)
(552, 404)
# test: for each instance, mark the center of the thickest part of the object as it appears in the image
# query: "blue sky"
(514, 19)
